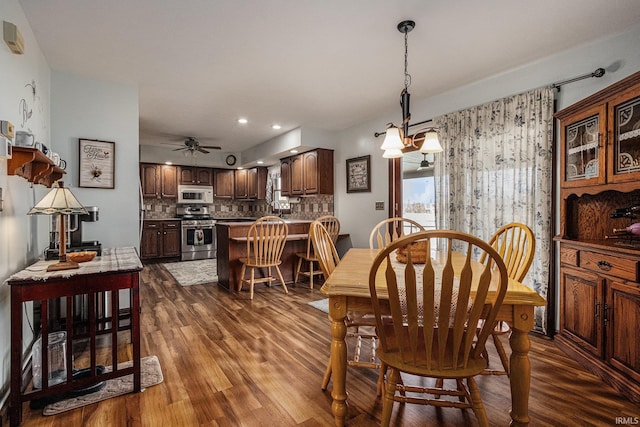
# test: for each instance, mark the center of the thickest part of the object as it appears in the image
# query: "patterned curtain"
(496, 168)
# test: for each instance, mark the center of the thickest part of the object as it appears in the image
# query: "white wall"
(619, 55)
(90, 109)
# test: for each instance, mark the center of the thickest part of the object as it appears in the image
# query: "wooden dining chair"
(516, 245)
(265, 242)
(427, 316)
(391, 229)
(332, 225)
(328, 259)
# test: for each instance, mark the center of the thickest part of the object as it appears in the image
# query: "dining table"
(348, 291)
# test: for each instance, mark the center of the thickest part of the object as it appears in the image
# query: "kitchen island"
(232, 245)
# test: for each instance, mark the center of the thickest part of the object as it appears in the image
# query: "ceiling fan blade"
(180, 149)
(202, 151)
(213, 147)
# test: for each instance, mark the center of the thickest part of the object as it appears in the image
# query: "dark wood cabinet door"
(311, 172)
(149, 180)
(285, 177)
(297, 175)
(252, 183)
(171, 238)
(150, 246)
(204, 176)
(582, 305)
(224, 180)
(169, 182)
(242, 184)
(622, 316)
(186, 175)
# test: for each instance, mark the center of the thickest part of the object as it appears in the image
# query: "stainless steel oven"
(198, 239)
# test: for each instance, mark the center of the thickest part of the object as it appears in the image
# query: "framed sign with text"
(359, 174)
(97, 163)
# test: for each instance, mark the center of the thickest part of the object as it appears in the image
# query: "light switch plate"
(379, 206)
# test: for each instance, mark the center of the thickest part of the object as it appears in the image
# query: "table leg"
(338, 314)
(520, 378)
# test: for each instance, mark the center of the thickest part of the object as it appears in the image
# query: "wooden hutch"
(600, 268)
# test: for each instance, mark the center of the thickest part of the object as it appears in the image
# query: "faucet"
(278, 206)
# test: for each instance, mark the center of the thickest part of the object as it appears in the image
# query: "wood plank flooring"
(229, 361)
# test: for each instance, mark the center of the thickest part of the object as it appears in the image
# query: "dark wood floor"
(229, 361)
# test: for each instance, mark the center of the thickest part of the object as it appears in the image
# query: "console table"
(116, 269)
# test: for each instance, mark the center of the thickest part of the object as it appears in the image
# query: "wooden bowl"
(81, 256)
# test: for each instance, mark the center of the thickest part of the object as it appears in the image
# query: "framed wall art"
(97, 163)
(359, 174)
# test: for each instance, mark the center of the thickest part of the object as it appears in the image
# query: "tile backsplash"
(309, 208)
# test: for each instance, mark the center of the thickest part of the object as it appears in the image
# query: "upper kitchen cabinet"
(192, 175)
(223, 183)
(600, 140)
(310, 172)
(159, 181)
(285, 177)
(251, 184)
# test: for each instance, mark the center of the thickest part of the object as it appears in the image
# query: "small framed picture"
(97, 163)
(359, 174)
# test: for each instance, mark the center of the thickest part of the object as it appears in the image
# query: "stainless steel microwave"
(195, 194)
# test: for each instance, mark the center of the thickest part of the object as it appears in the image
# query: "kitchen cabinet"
(285, 177)
(160, 239)
(310, 173)
(251, 184)
(159, 181)
(600, 269)
(192, 175)
(223, 183)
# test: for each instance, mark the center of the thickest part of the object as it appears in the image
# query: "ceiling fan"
(192, 144)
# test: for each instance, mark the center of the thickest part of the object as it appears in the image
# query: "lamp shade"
(392, 140)
(58, 201)
(392, 153)
(431, 143)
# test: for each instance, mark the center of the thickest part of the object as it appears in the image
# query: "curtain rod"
(599, 72)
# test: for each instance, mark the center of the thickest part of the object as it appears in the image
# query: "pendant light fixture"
(397, 138)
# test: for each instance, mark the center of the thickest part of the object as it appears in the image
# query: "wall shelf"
(34, 166)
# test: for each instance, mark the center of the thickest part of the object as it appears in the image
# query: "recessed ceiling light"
(293, 151)
(259, 162)
(168, 163)
(243, 121)
(240, 168)
(276, 127)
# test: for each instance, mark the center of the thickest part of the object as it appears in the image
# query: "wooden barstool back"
(332, 226)
(266, 239)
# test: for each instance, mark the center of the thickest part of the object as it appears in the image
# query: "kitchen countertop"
(231, 222)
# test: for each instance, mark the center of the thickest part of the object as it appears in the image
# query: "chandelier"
(398, 138)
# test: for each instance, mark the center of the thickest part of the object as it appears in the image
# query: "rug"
(151, 374)
(322, 305)
(188, 273)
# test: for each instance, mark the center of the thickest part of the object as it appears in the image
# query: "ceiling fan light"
(431, 143)
(392, 153)
(392, 140)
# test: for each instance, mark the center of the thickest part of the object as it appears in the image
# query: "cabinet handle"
(606, 314)
(604, 265)
(165, 232)
(597, 314)
(152, 226)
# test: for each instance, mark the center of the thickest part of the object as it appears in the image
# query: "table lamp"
(60, 201)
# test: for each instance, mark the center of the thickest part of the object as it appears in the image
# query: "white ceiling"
(324, 64)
